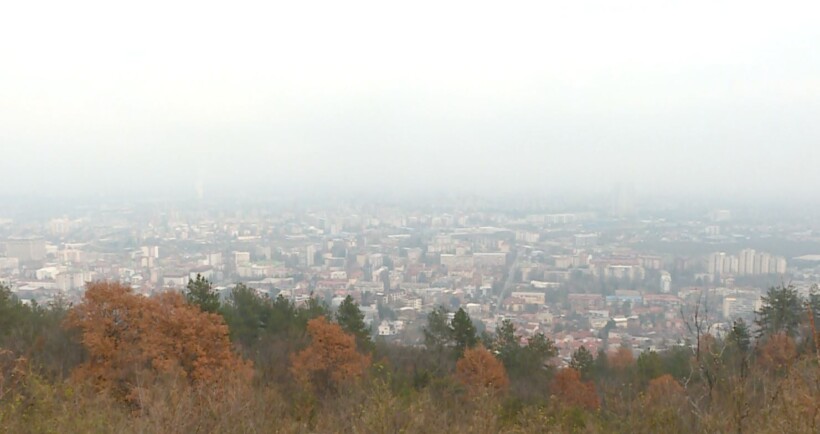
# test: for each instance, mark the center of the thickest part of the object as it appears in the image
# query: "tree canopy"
(780, 312)
(351, 319)
(130, 339)
(200, 292)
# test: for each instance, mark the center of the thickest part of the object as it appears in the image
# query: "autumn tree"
(130, 339)
(777, 353)
(663, 387)
(331, 358)
(351, 319)
(200, 292)
(622, 359)
(478, 369)
(568, 387)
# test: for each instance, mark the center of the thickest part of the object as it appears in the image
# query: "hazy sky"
(716, 97)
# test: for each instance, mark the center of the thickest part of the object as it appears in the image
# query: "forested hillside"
(176, 363)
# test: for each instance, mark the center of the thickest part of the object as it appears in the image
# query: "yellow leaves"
(127, 336)
(479, 369)
(331, 358)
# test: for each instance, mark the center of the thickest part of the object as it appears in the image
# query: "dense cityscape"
(601, 279)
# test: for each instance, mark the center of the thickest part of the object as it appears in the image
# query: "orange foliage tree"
(479, 369)
(663, 389)
(569, 388)
(622, 359)
(330, 359)
(777, 352)
(131, 339)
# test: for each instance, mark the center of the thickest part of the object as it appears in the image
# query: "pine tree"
(438, 334)
(780, 312)
(464, 332)
(582, 361)
(506, 342)
(351, 319)
(649, 366)
(200, 292)
(10, 310)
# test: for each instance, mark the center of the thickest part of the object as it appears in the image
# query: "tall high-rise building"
(310, 255)
(780, 265)
(716, 262)
(765, 260)
(747, 258)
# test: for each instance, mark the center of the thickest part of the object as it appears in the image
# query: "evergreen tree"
(10, 310)
(438, 334)
(246, 313)
(738, 346)
(650, 366)
(740, 336)
(200, 292)
(538, 351)
(282, 316)
(583, 362)
(780, 312)
(601, 365)
(314, 308)
(464, 332)
(506, 343)
(351, 319)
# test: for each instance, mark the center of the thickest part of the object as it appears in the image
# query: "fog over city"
(376, 217)
(710, 99)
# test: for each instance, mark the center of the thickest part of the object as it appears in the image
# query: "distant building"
(583, 241)
(26, 249)
(666, 282)
(241, 258)
(538, 298)
(720, 215)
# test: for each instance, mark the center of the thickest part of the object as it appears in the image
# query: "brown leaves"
(479, 369)
(131, 339)
(663, 389)
(622, 359)
(778, 352)
(569, 388)
(331, 358)
(13, 372)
